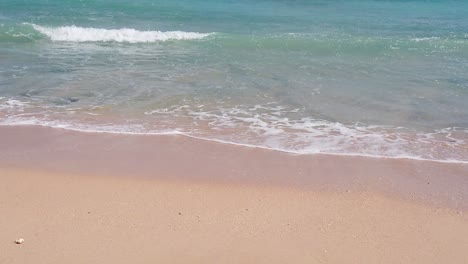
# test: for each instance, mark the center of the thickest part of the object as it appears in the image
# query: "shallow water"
(375, 78)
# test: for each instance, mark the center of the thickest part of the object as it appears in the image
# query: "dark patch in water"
(72, 99)
(66, 100)
(30, 93)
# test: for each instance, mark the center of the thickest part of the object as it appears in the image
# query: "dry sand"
(96, 198)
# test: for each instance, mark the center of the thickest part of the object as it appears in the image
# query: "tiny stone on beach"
(19, 241)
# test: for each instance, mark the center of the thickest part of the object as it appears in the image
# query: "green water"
(373, 78)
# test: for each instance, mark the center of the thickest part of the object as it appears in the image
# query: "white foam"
(82, 34)
(11, 104)
(425, 39)
(88, 128)
(273, 127)
(106, 130)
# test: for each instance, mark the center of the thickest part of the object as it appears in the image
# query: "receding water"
(357, 77)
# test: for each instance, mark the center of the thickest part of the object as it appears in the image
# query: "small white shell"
(19, 241)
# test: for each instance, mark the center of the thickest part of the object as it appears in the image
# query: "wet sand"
(95, 198)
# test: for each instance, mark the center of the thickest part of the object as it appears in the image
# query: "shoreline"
(220, 141)
(181, 158)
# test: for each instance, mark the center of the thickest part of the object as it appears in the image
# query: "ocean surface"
(381, 78)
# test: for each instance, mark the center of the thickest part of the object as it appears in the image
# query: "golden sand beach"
(79, 197)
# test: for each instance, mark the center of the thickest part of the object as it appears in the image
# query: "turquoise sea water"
(356, 77)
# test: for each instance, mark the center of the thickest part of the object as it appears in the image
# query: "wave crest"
(82, 34)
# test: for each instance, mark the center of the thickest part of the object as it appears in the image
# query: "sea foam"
(82, 34)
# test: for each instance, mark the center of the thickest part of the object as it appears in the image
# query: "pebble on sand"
(19, 241)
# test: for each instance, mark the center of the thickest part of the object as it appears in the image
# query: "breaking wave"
(82, 34)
